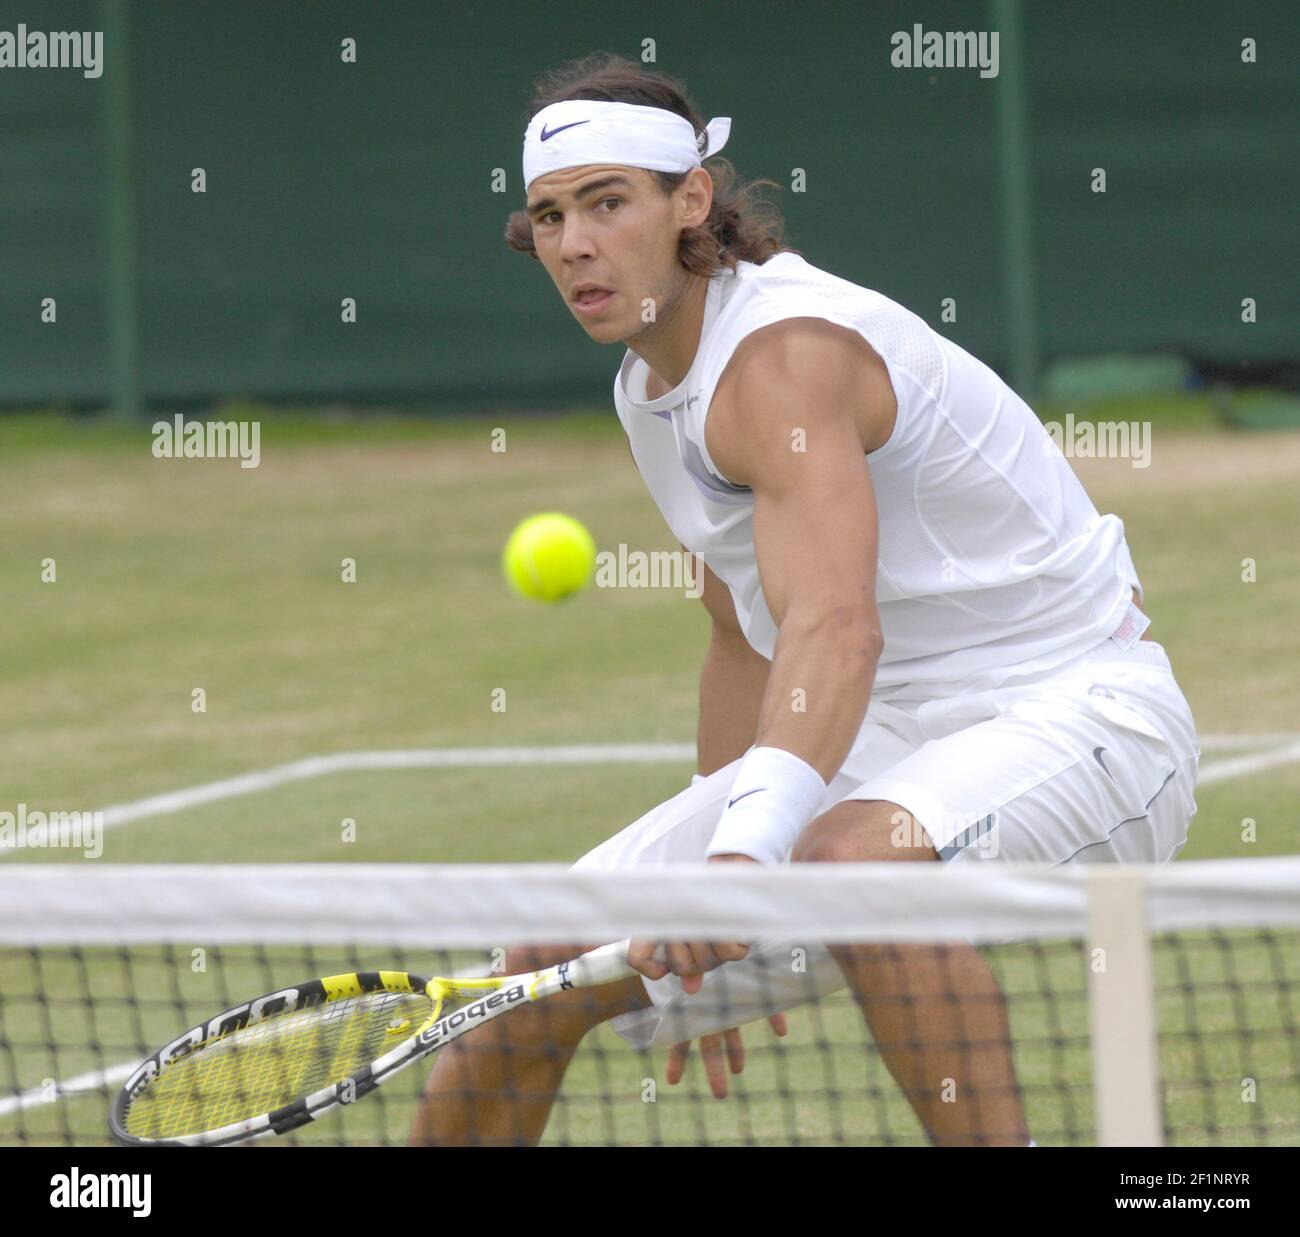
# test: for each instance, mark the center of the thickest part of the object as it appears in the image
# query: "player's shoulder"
(799, 374)
(803, 364)
(795, 357)
(803, 348)
(787, 320)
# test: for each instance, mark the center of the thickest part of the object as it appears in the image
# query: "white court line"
(503, 757)
(475, 757)
(430, 758)
(1225, 742)
(580, 754)
(93, 1081)
(1238, 766)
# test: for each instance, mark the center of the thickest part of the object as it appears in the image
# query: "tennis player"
(927, 644)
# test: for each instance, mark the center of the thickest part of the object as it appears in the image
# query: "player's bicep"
(815, 532)
(801, 453)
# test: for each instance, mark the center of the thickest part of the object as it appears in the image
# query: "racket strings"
(274, 1062)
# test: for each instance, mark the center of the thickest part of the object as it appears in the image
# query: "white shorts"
(1093, 762)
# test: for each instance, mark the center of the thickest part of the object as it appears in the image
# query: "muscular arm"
(796, 411)
(732, 682)
(801, 384)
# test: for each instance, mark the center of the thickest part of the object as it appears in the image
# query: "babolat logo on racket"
(456, 1023)
(145, 1074)
(236, 1019)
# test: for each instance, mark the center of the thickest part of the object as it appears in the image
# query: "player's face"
(610, 226)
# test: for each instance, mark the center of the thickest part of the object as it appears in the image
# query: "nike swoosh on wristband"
(746, 795)
(1096, 752)
(547, 134)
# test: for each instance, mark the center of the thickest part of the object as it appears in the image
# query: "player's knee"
(863, 831)
(836, 838)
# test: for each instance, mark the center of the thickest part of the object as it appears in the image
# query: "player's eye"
(555, 214)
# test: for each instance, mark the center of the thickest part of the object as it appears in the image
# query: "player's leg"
(496, 1086)
(1096, 765)
(936, 1012)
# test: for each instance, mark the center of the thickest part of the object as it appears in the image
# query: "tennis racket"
(272, 1065)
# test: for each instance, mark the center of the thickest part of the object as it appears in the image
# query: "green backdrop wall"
(374, 180)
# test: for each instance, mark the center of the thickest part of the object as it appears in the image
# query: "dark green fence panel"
(327, 180)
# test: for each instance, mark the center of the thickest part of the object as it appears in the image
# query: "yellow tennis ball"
(549, 557)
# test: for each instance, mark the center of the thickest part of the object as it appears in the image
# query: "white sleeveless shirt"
(992, 562)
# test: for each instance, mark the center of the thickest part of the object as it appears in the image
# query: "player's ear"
(696, 195)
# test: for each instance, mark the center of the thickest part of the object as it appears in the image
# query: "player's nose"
(576, 241)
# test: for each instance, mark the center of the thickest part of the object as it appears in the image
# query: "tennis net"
(1136, 1006)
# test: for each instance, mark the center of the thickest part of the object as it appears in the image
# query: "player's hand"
(720, 1053)
(688, 960)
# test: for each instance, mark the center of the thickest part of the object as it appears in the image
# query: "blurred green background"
(389, 181)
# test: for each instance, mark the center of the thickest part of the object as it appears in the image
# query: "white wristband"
(773, 798)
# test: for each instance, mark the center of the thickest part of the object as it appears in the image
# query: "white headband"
(578, 131)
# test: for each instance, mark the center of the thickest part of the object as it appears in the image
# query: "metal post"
(1015, 186)
(122, 301)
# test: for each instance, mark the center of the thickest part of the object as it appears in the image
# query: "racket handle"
(605, 965)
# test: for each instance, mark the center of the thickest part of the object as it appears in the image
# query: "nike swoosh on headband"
(746, 795)
(547, 134)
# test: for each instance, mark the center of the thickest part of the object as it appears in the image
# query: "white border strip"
(473, 905)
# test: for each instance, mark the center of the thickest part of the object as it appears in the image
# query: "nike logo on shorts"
(1096, 752)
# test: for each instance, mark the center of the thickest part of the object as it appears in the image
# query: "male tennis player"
(918, 615)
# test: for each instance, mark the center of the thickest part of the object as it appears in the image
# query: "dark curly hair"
(742, 225)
